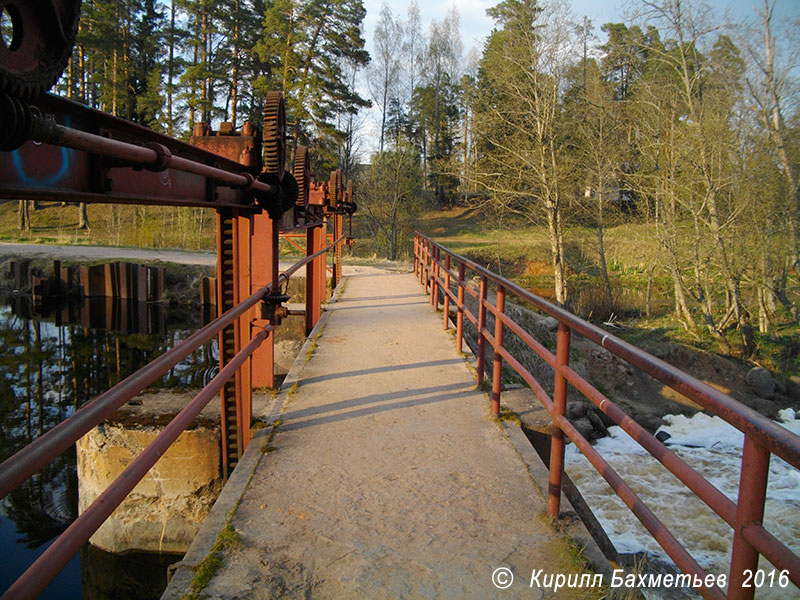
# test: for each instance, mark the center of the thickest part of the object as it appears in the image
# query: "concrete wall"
(165, 510)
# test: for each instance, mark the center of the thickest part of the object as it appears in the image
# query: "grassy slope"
(520, 253)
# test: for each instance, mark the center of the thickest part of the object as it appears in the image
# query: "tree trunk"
(23, 216)
(556, 248)
(235, 74)
(170, 67)
(601, 250)
(83, 216)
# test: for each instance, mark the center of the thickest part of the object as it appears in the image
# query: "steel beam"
(315, 237)
(264, 271)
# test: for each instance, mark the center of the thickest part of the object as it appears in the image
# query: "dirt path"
(181, 257)
(387, 478)
(170, 255)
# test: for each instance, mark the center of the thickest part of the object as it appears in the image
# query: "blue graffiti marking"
(47, 181)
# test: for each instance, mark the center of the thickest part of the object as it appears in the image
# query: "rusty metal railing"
(19, 467)
(762, 437)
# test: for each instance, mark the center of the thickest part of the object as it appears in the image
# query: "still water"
(53, 360)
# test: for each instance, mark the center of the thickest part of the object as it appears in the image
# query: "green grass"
(113, 225)
(226, 540)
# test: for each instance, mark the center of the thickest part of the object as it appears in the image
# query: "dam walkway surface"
(385, 477)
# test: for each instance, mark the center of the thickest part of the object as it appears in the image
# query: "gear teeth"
(44, 62)
(301, 172)
(335, 188)
(274, 134)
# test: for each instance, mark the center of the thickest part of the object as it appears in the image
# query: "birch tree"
(523, 160)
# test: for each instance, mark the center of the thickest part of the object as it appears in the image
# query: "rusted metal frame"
(264, 271)
(293, 243)
(646, 517)
(301, 226)
(777, 439)
(338, 230)
(481, 325)
(84, 117)
(299, 247)
(531, 342)
(322, 265)
(314, 237)
(59, 135)
(700, 486)
(30, 459)
(229, 342)
(749, 510)
(460, 304)
(557, 444)
(773, 550)
(243, 378)
(546, 401)
(497, 344)
(14, 192)
(36, 578)
(286, 275)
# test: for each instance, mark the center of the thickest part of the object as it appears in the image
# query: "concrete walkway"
(387, 477)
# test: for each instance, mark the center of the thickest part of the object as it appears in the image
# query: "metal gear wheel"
(335, 188)
(302, 173)
(274, 134)
(36, 44)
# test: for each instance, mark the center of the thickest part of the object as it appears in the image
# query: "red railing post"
(497, 363)
(446, 305)
(749, 509)
(460, 313)
(421, 257)
(416, 253)
(559, 408)
(481, 360)
(435, 282)
(426, 255)
(338, 229)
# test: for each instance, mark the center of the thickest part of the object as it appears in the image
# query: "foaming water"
(714, 449)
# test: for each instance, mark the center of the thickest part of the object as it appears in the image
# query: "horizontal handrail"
(775, 438)
(52, 133)
(762, 436)
(36, 578)
(19, 467)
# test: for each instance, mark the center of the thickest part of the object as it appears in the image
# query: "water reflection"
(55, 358)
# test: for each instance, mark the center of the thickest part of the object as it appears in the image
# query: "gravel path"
(181, 257)
(107, 253)
(387, 478)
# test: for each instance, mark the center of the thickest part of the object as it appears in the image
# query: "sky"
(476, 25)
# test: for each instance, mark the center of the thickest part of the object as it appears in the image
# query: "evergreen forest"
(679, 121)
